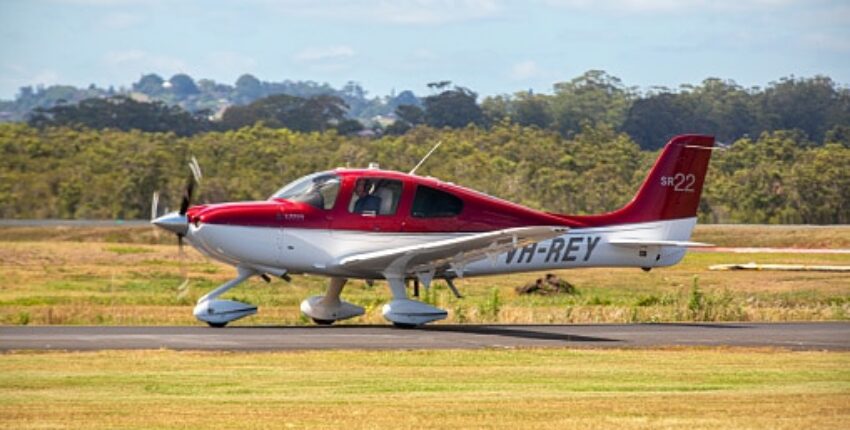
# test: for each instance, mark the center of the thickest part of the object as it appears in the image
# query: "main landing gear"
(327, 309)
(401, 311)
(323, 310)
(406, 313)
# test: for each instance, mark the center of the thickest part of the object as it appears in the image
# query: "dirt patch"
(550, 284)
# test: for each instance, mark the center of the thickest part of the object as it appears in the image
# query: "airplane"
(374, 224)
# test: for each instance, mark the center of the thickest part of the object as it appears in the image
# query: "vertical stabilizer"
(673, 187)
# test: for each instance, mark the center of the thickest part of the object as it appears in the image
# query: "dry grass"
(554, 388)
(67, 233)
(780, 236)
(83, 280)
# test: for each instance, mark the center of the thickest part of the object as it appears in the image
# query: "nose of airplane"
(173, 222)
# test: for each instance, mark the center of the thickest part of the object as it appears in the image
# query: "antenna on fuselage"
(412, 171)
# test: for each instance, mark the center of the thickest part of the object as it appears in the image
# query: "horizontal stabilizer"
(636, 243)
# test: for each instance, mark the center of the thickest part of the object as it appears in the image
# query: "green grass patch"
(504, 389)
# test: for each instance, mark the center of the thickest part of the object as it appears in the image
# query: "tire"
(217, 325)
(405, 326)
(323, 322)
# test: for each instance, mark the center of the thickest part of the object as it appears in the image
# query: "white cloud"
(669, 6)
(429, 12)
(821, 41)
(119, 58)
(324, 54)
(401, 12)
(105, 3)
(231, 61)
(45, 77)
(423, 54)
(14, 76)
(120, 20)
(525, 70)
(140, 60)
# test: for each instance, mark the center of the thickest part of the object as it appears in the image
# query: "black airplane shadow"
(517, 331)
(523, 332)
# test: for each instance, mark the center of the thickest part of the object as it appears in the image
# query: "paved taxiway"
(813, 336)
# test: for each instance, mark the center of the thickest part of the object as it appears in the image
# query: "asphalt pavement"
(796, 336)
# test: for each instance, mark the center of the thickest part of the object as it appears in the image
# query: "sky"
(490, 46)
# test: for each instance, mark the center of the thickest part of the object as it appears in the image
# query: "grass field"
(123, 276)
(553, 388)
(61, 275)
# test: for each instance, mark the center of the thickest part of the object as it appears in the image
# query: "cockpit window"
(318, 190)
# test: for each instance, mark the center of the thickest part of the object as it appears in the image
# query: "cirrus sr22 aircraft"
(377, 224)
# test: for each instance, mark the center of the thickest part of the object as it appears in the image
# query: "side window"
(433, 203)
(375, 196)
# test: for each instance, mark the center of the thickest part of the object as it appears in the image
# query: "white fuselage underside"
(318, 251)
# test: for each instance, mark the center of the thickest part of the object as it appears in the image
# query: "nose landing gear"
(217, 313)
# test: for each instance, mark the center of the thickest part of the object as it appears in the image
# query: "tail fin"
(673, 187)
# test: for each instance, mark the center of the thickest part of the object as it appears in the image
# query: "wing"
(454, 253)
(637, 243)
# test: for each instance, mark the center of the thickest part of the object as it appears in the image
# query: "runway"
(796, 336)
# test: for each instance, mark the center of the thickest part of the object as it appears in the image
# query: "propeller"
(194, 178)
(177, 222)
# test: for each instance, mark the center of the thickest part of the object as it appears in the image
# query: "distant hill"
(205, 95)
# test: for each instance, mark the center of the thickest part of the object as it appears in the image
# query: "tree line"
(70, 172)
(817, 107)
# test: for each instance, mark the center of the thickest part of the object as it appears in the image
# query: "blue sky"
(490, 46)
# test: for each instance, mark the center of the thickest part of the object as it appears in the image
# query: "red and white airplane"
(379, 224)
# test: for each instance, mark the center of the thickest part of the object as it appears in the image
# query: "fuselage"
(317, 251)
(295, 232)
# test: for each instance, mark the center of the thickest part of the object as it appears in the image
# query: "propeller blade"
(196, 177)
(154, 213)
(154, 205)
(187, 197)
(196, 169)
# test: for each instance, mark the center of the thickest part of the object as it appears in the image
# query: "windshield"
(318, 190)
